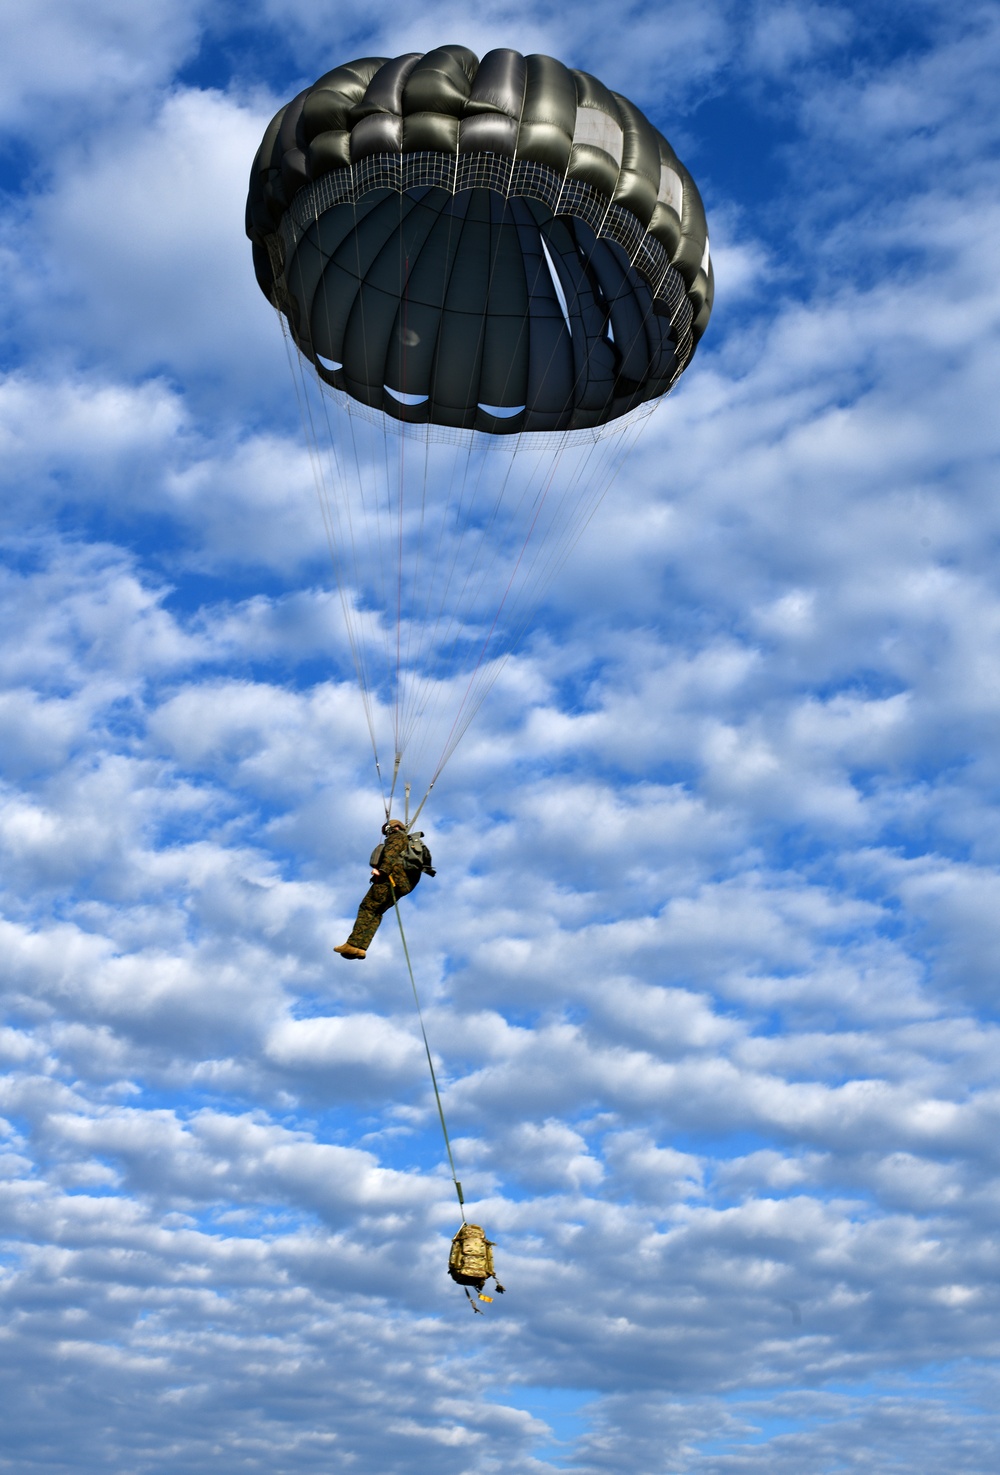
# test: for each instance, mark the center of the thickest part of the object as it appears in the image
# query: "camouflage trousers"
(376, 903)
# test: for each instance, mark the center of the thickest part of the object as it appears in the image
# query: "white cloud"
(58, 58)
(783, 37)
(137, 251)
(331, 1044)
(634, 55)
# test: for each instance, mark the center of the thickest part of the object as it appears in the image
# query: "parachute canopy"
(488, 273)
(501, 245)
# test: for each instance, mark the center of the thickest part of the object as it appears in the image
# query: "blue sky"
(710, 960)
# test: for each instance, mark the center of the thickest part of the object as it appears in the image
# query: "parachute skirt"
(479, 293)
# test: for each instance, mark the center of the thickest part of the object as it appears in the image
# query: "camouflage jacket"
(389, 853)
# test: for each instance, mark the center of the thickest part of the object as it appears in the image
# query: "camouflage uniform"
(380, 894)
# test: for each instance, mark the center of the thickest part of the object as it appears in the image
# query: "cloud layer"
(708, 966)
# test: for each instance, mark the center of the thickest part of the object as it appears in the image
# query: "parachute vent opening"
(330, 364)
(503, 412)
(401, 397)
(557, 284)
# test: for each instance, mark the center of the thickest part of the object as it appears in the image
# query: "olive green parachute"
(488, 273)
(503, 245)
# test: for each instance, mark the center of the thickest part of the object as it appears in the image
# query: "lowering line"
(430, 1062)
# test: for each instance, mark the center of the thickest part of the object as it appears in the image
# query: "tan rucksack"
(471, 1260)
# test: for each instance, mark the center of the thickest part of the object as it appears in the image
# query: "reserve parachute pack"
(471, 1261)
(416, 856)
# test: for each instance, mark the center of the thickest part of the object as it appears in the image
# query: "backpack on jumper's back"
(416, 856)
